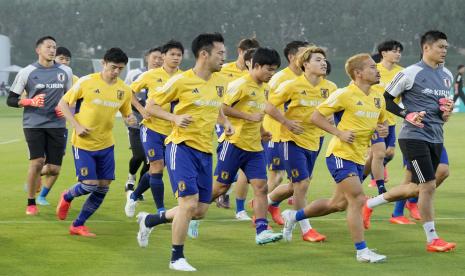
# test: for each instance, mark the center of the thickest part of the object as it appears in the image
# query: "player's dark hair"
(432, 36)
(154, 49)
(205, 42)
(460, 67)
(248, 43)
(389, 45)
(328, 68)
(248, 55)
(172, 44)
(266, 56)
(376, 57)
(42, 39)
(293, 47)
(115, 55)
(63, 51)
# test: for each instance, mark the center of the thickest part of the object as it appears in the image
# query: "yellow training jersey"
(97, 103)
(152, 80)
(386, 77)
(353, 110)
(300, 99)
(245, 95)
(270, 124)
(230, 71)
(198, 98)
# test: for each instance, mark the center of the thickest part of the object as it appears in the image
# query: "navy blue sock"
(91, 205)
(300, 215)
(381, 187)
(154, 220)
(261, 224)
(399, 208)
(240, 204)
(177, 252)
(143, 186)
(158, 190)
(360, 245)
(387, 159)
(79, 189)
(44, 191)
(413, 200)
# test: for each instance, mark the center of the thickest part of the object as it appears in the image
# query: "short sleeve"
(233, 94)
(167, 93)
(20, 82)
(399, 84)
(281, 94)
(75, 93)
(334, 103)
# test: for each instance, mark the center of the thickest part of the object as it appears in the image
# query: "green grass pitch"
(42, 246)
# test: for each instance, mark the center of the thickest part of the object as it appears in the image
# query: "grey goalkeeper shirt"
(420, 88)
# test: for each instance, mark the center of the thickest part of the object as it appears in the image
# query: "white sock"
(376, 201)
(269, 199)
(132, 177)
(430, 231)
(230, 188)
(305, 225)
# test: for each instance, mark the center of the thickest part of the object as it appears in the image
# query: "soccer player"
(382, 149)
(301, 139)
(274, 154)
(358, 112)
(232, 71)
(45, 82)
(458, 86)
(244, 103)
(62, 56)
(98, 97)
(152, 59)
(197, 97)
(424, 88)
(154, 130)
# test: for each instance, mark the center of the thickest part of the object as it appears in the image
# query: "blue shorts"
(389, 140)
(232, 158)
(94, 165)
(218, 152)
(153, 143)
(274, 156)
(299, 162)
(190, 171)
(340, 168)
(444, 159)
(219, 129)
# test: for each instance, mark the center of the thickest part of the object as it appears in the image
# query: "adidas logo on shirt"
(195, 91)
(359, 103)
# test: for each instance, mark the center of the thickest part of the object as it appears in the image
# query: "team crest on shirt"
(120, 94)
(377, 102)
(276, 161)
(61, 77)
(181, 186)
(151, 152)
(224, 175)
(295, 173)
(324, 92)
(220, 91)
(84, 171)
(447, 82)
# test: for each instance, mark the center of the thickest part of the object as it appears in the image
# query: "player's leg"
(378, 152)
(390, 142)
(55, 150)
(36, 142)
(135, 161)
(241, 189)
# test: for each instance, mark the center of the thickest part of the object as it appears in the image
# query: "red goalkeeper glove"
(416, 118)
(36, 101)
